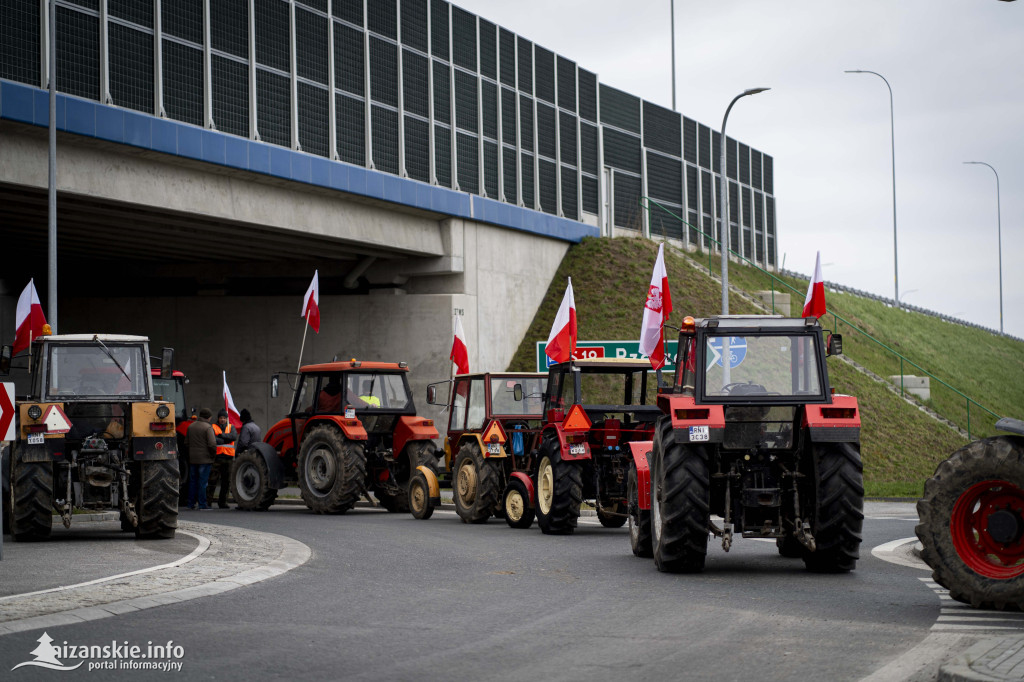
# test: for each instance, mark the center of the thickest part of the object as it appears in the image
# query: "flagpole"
(303, 346)
(451, 368)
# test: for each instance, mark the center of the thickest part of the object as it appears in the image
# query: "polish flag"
(229, 405)
(29, 319)
(311, 303)
(460, 351)
(562, 340)
(656, 311)
(814, 304)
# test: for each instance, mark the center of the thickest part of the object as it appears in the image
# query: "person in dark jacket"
(249, 433)
(202, 449)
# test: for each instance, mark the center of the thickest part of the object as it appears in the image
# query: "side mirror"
(5, 360)
(274, 384)
(167, 363)
(517, 393)
(834, 345)
(432, 395)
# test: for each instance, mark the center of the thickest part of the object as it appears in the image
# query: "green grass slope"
(901, 445)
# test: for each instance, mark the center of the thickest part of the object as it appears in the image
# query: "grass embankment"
(900, 445)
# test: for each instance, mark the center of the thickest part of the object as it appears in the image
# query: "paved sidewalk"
(991, 660)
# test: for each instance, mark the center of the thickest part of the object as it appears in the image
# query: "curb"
(991, 660)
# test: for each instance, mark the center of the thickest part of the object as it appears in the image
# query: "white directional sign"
(56, 421)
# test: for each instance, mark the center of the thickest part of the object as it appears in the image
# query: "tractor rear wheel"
(613, 516)
(250, 482)
(972, 524)
(332, 471)
(156, 503)
(516, 505)
(680, 503)
(31, 509)
(559, 492)
(419, 497)
(838, 508)
(475, 485)
(639, 519)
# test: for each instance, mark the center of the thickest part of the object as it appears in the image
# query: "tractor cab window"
(329, 399)
(554, 398)
(376, 391)
(459, 400)
(171, 389)
(90, 370)
(503, 396)
(477, 405)
(762, 365)
(614, 387)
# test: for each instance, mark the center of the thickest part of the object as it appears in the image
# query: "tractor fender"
(528, 482)
(352, 429)
(692, 422)
(433, 486)
(563, 442)
(488, 454)
(1011, 425)
(275, 468)
(51, 448)
(835, 423)
(412, 428)
(641, 451)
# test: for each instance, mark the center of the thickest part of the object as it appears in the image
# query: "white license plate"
(698, 433)
(493, 449)
(35, 439)
(578, 449)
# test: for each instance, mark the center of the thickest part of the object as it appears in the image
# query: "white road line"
(897, 552)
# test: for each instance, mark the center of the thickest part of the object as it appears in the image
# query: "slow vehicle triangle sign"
(56, 421)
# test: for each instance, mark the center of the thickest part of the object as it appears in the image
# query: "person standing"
(226, 437)
(202, 449)
(249, 433)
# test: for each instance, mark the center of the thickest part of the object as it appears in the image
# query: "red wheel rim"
(969, 527)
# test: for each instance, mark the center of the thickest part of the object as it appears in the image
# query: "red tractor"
(492, 420)
(595, 410)
(352, 430)
(972, 521)
(752, 433)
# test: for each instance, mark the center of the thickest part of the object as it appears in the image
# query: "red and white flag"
(311, 303)
(229, 405)
(460, 351)
(814, 304)
(29, 319)
(656, 311)
(562, 340)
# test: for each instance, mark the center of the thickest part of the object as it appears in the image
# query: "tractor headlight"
(35, 412)
(162, 412)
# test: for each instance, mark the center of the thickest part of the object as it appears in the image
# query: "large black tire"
(31, 509)
(613, 516)
(973, 494)
(157, 501)
(680, 502)
(516, 505)
(5, 487)
(417, 454)
(250, 482)
(559, 491)
(476, 484)
(639, 519)
(332, 471)
(838, 508)
(419, 502)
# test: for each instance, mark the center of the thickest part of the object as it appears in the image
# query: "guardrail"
(649, 204)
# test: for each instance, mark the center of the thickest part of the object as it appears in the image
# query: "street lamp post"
(892, 137)
(999, 227)
(723, 202)
(672, 23)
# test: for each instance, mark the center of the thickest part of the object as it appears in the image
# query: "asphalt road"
(387, 597)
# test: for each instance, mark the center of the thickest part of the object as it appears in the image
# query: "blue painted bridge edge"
(26, 104)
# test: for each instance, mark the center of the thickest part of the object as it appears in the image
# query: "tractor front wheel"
(250, 482)
(156, 503)
(838, 510)
(332, 471)
(420, 503)
(680, 503)
(972, 524)
(31, 509)
(475, 485)
(516, 504)
(639, 519)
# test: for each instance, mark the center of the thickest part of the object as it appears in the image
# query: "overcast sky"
(957, 75)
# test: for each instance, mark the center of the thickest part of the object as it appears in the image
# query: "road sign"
(7, 411)
(737, 351)
(56, 421)
(608, 349)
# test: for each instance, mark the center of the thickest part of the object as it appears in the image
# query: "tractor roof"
(611, 363)
(758, 322)
(503, 375)
(105, 338)
(354, 365)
